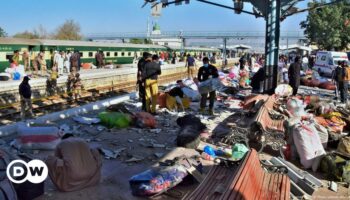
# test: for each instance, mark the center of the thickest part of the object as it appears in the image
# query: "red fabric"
(86, 66)
(37, 138)
(327, 85)
(147, 119)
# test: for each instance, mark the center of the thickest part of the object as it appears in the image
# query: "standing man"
(294, 74)
(206, 72)
(25, 60)
(150, 75)
(67, 61)
(42, 63)
(56, 56)
(15, 57)
(99, 59)
(25, 93)
(35, 64)
(340, 75)
(305, 64)
(257, 80)
(191, 66)
(346, 79)
(213, 59)
(60, 62)
(141, 84)
(74, 61)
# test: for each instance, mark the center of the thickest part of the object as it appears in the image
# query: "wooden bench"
(271, 129)
(246, 181)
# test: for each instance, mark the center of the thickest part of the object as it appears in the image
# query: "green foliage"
(26, 35)
(328, 27)
(140, 41)
(136, 41)
(2, 33)
(70, 30)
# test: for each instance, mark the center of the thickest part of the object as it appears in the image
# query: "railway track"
(10, 113)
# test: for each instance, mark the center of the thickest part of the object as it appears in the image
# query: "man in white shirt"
(305, 63)
(60, 62)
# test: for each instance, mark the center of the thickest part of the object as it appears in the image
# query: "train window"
(129, 54)
(9, 57)
(123, 53)
(81, 54)
(116, 54)
(90, 54)
(108, 54)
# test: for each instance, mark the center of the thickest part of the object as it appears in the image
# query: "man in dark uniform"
(150, 75)
(294, 74)
(25, 93)
(204, 73)
(140, 83)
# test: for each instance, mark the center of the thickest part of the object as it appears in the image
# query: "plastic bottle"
(225, 152)
(210, 151)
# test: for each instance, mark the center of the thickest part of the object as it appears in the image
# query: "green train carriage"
(115, 53)
(9, 45)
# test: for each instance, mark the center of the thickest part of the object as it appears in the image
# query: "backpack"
(347, 74)
(344, 145)
(7, 191)
(340, 74)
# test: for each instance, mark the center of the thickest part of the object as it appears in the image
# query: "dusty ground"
(116, 172)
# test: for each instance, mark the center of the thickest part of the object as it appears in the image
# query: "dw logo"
(34, 171)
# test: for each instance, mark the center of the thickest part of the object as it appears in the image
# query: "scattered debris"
(135, 159)
(111, 154)
(86, 120)
(156, 130)
(159, 155)
(333, 186)
(101, 128)
(158, 145)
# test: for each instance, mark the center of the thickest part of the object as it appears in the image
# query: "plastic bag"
(210, 85)
(115, 119)
(16, 76)
(238, 151)
(307, 143)
(284, 90)
(296, 107)
(157, 180)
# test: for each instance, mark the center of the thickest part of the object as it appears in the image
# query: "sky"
(111, 16)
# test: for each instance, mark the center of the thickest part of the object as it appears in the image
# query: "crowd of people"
(60, 61)
(149, 68)
(249, 73)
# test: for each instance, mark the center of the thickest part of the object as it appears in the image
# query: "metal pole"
(224, 53)
(272, 44)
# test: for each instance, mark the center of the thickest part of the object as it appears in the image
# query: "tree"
(328, 27)
(2, 33)
(26, 35)
(41, 32)
(140, 41)
(70, 30)
(136, 41)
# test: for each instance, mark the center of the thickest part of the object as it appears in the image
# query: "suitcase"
(28, 190)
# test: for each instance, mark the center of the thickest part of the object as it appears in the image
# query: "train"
(117, 54)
